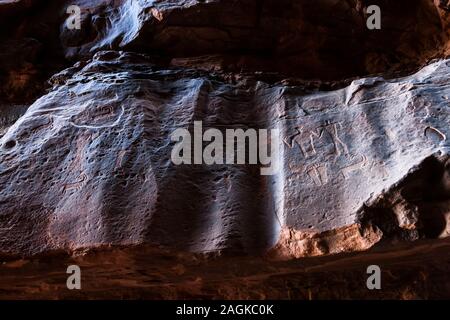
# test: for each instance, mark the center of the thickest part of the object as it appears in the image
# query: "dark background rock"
(295, 38)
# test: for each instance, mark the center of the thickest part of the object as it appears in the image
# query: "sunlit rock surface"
(90, 162)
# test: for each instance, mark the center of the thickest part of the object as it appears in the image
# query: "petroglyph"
(119, 161)
(346, 171)
(327, 134)
(77, 185)
(339, 145)
(435, 135)
(102, 126)
(318, 173)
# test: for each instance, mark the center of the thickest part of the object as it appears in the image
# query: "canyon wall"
(86, 117)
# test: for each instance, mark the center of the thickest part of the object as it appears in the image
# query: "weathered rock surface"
(89, 163)
(363, 161)
(295, 38)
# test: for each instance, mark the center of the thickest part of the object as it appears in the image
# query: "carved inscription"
(325, 154)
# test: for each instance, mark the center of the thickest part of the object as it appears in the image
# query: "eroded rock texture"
(89, 163)
(363, 116)
(297, 38)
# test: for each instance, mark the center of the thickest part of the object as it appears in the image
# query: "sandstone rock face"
(296, 38)
(90, 162)
(362, 155)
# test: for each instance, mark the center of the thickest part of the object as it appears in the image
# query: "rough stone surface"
(86, 175)
(295, 38)
(89, 163)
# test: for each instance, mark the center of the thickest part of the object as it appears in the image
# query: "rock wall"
(363, 119)
(90, 162)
